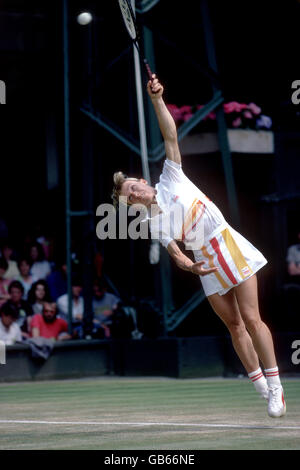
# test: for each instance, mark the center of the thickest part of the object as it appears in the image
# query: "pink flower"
(254, 108)
(237, 122)
(234, 106)
(211, 115)
(187, 116)
(248, 115)
(229, 107)
(185, 109)
(175, 112)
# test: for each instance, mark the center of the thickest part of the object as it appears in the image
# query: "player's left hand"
(197, 268)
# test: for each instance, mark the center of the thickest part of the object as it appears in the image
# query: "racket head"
(129, 18)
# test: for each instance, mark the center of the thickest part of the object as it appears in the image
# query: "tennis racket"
(131, 26)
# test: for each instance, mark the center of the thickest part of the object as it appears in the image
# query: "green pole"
(67, 158)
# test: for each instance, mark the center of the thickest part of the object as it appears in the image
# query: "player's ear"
(143, 181)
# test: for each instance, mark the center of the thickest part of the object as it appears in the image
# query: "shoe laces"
(275, 394)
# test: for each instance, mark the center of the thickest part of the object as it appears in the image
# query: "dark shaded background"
(257, 49)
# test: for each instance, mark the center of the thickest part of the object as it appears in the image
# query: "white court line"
(102, 423)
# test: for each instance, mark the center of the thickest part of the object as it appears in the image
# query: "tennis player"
(226, 262)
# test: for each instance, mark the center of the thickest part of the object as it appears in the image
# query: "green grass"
(144, 400)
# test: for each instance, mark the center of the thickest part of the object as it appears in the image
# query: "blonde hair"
(119, 178)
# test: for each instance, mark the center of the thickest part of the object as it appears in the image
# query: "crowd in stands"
(34, 299)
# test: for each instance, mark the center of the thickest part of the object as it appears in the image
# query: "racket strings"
(128, 17)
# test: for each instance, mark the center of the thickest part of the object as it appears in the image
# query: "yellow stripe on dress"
(191, 216)
(212, 265)
(236, 254)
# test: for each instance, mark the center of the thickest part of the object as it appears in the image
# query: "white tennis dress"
(189, 216)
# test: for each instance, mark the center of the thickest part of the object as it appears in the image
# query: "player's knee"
(236, 328)
(253, 324)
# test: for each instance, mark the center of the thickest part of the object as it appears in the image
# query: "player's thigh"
(247, 299)
(226, 307)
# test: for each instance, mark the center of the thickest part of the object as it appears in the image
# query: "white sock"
(259, 381)
(272, 376)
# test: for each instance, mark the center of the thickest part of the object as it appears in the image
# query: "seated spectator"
(22, 309)
(77, 302)
(293, 262)
(38, 294)
(104, 305)
(57, 280)
(291, 288)
(4, 283)
(47, 325)
(25, 277)
(10, 331)
(12, 270)
(41, 236)
(40, 268)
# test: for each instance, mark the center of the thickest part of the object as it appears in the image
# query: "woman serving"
(225, 261)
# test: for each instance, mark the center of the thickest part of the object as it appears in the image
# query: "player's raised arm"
(165, 120)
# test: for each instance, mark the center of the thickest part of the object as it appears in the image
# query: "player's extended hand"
(197, 268)
(155, 88)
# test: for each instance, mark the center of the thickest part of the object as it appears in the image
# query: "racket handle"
(148, 70)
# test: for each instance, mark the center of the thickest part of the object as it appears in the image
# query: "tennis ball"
(84, 18)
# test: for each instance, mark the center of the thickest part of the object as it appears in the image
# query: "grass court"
(112, 413)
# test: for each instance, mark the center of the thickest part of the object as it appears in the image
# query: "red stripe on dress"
(214, 243)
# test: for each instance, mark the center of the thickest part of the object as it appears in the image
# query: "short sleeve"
(172, 172)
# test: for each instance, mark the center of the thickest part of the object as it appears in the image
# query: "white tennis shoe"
(276, 405)
(265, 393)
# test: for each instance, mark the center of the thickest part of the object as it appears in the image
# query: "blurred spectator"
(291, 289)
(104, 304)
(25, 277)
(38, 294)
(57, 280)
(293, 262)
(40, 268)
(40, 236)
(77, 307)
(47, 325)
(4, 283)
(12, 270)
(22, 309)
(10, 331)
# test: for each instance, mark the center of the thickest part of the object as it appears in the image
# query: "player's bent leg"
(247, 299)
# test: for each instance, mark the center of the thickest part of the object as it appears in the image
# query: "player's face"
(138, 192)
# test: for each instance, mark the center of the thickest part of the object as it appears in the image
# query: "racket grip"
(148, 70)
